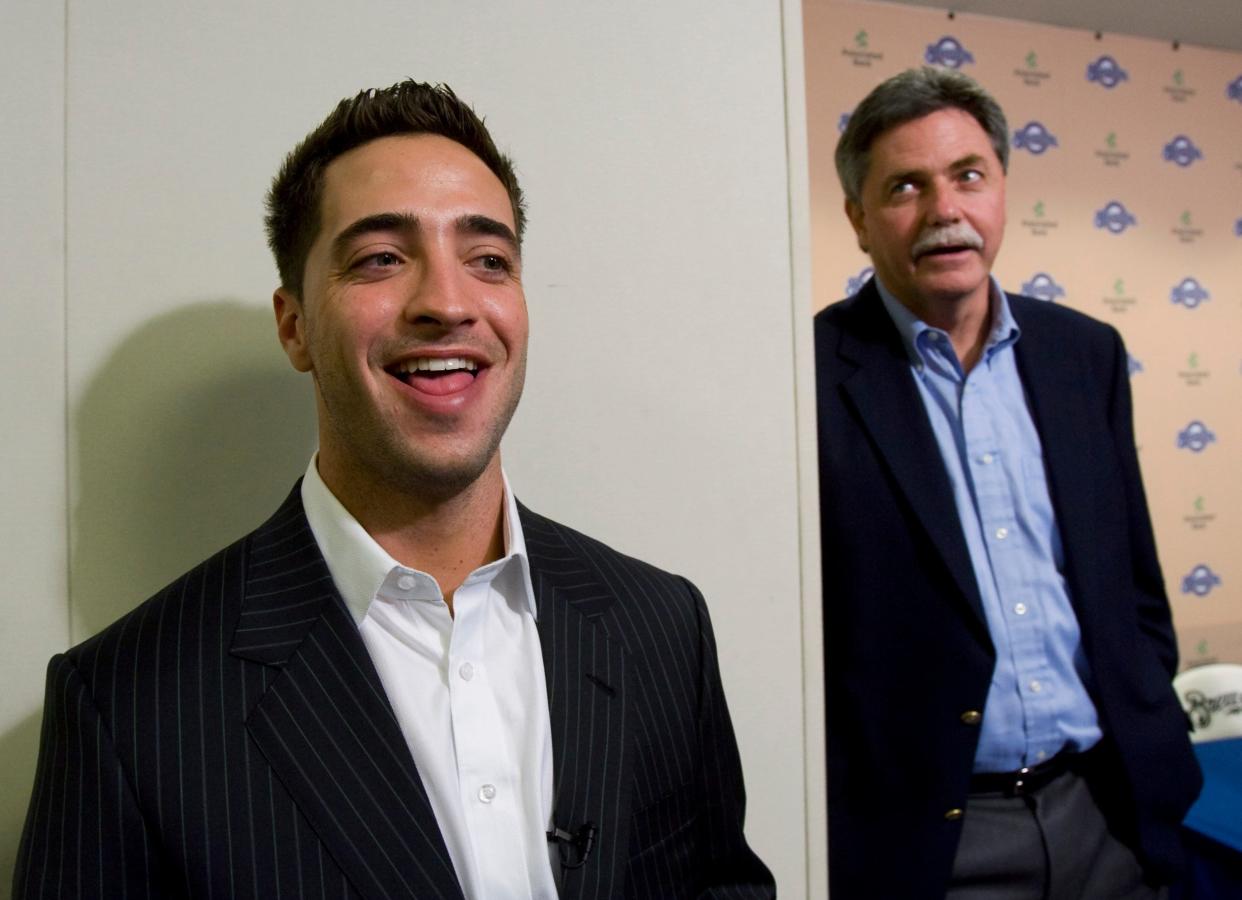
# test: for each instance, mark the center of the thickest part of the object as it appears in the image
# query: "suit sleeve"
(732, 869)
(84, 835)
(1154, 616)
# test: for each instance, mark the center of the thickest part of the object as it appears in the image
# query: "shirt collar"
(359, 566)
(1005, 331)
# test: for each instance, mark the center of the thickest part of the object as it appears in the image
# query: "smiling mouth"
(436, 375)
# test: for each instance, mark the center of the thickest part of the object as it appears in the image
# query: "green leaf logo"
(1185, 217)
(1193, 361)
(1178, 78)
(1119, 287)
(1031, 60)
(1039, 209)
(1111, 140)
(860, 39)
(1198, 504)
(1202, 648)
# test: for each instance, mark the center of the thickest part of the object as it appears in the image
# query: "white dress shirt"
(468, 691)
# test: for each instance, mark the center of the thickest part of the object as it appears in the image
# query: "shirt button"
(1036, 687)
(466, 671)
(405, 582)
(971, 717)
(487, 793)
(953, 815)
(1002, 533)
(1020, 608)
(986, 459)
(1041, 755)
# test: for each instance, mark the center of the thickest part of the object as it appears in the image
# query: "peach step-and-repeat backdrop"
(1125, 202)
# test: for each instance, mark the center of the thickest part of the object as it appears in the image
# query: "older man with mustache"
(998, 642)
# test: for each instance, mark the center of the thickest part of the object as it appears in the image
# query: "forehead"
(932, 141)
(425, 175)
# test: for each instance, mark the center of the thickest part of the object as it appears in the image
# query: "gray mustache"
(959, 234)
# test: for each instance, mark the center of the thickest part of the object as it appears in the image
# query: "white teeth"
(438, 364)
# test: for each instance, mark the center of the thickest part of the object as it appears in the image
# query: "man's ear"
(291, 328)
(854, 212)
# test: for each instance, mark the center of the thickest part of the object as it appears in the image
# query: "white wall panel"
(660, 410)
(34, 620)
(814, 736)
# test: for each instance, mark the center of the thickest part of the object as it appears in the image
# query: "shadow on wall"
(189, 436)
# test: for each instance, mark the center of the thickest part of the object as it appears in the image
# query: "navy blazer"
(907, 648)
(231, 738)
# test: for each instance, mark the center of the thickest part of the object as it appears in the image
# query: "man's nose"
(441, 297)
(942, 204)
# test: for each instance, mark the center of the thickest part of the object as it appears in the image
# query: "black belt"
(1030, 779)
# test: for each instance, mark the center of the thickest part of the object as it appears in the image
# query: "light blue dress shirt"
(1037, 703)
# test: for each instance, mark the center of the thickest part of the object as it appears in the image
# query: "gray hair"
(903, 98)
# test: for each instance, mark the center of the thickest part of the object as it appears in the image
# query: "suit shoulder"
(838, 313)
(556, 546)
(1061, 319)
(842, 322)
(214, 587)
(654, 615)
(202, 592)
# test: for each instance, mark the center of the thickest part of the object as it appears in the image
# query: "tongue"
(447, 383)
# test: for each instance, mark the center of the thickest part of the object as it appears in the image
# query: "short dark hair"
(408, 107)
(903, 98)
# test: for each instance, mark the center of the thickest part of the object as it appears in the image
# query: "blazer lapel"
(1063, 421)
(887, 403)
(587, 706)
(324, 724)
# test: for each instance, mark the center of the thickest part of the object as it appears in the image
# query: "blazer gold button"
(972, 717)
(953, 815)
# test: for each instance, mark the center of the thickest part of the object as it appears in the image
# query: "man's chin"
(953, 288)
(436, 482)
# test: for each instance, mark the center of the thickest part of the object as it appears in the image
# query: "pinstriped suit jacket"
(231, 738)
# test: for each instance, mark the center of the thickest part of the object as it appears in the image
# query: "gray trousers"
(1051, 845)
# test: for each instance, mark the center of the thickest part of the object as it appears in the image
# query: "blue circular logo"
(1200, 581)
(1189, 293)
(1034, 138)
(1195, 437)
(1042, 286)
(1106, 72)
(1114, 217)
(855, 284)
(947, 51)
(1182, 151)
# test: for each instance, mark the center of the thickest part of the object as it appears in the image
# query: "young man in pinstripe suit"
(405, 683)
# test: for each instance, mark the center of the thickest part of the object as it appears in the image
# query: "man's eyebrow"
(968, 161)
(408, 223)
(485, 225)
(915, 173)
(387, 221)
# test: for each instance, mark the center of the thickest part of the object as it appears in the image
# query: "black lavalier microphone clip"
(575, 847)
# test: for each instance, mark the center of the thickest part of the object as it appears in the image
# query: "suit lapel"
(1055, 393)
(587, 705)
(887, 403)
(324, 724)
